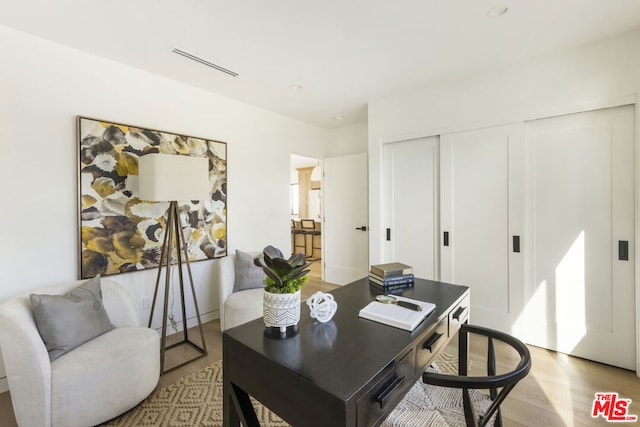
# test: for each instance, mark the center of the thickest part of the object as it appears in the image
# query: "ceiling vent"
(204, 62)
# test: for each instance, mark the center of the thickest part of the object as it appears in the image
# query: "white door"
(345, 229)
(580, 296)
(481, 173)
(410, 198)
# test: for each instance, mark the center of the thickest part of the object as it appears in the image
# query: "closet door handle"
(623, 250)
(445, 238)
(516, 244)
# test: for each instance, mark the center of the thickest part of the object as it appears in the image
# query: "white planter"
(281, 310)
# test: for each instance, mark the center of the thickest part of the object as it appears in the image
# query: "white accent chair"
(90, 384)
(239, 307)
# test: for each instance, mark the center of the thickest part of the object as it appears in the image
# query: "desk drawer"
(458, 315)
(383, 396)
(430, 344)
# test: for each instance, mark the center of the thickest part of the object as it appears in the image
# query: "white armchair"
(237, 307)
(90, 384)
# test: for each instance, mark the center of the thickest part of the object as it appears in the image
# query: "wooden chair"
(309, 229)
(499, 386)
(297, 237)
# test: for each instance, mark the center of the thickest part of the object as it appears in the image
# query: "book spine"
(391, 288)
(392, 279)
(391, 273)
(400, 280)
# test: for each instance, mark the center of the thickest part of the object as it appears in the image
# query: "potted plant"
(284, 278)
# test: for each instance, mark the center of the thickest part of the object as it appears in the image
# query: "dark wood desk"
(347, 372)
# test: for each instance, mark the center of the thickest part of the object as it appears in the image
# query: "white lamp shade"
(168, 177)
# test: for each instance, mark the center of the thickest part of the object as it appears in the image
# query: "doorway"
(305, 202)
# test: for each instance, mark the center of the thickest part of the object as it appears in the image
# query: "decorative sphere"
(322, 306)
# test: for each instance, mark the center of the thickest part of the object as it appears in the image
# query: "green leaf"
(273, 276)
(298, 274)
(296, 259)
(272, 252)
(281, 267)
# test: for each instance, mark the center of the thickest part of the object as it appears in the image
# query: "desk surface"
(334, 361)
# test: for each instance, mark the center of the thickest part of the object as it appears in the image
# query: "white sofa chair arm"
(26, 361)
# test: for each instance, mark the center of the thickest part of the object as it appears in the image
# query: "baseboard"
(4, 385)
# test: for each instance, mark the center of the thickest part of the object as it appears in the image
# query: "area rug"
(196, 400)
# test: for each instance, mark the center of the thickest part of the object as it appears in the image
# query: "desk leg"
(229, 412)
(237, 407)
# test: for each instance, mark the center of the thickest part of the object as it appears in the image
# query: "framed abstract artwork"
(119, 232)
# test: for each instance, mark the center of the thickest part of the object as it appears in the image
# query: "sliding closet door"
(580, 296)
(410, 198)
(481, 212)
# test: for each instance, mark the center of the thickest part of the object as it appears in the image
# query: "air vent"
(204, 62)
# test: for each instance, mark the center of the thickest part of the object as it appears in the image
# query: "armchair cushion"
(105, 376)
(66, 321)
(248, 275)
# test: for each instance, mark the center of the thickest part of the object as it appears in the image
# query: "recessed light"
(497, 11)
(296, 87)
(338, 117)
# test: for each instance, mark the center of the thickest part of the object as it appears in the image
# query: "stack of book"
(391, 275)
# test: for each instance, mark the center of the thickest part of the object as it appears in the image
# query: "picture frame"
(117, 231)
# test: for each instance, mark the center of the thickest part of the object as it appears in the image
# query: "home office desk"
(347, 372)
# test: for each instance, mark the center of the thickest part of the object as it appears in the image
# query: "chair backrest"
(308, 224)
(492, 382)
(115, 298)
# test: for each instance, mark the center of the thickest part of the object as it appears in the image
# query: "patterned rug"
(196, 400)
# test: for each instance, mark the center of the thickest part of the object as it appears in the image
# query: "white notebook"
(398, 317)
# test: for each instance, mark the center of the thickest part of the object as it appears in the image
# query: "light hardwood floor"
(559, 390)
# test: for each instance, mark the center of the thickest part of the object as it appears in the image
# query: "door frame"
(321, 165)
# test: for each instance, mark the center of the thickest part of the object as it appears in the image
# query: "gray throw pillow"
(248, 275)
(66, 321)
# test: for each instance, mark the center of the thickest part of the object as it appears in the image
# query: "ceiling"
(342, 53)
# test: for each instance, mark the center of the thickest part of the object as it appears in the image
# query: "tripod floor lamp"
(169, 178)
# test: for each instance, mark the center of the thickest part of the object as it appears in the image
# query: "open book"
(396, 316)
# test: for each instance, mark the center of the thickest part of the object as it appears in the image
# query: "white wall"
(43, 86)
(348, 140)
(592, 76)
